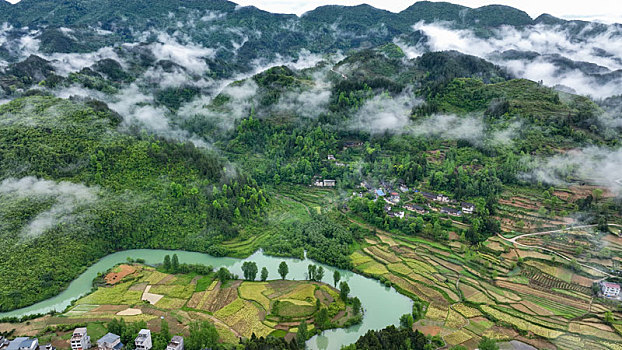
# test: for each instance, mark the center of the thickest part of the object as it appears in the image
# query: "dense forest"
(75, 186)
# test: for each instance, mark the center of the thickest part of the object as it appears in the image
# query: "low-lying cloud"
(593, 165)
(67, 198)
(539, 49)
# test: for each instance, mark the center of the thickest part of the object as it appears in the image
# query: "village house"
(23, 343)
(143, 340)
(340, 164)
(451, 211)
(416, 208)
(428, 195)
(610, 290)
(468, 208)
(331, 157)
(403, 188)
(47, 347)
(442, 198)
(109, 342)
(347, 145)
(380, 193)
(177, 343)
(393, 198)
(325, 183)
(80, 340)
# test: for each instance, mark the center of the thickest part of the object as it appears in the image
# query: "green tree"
(321, 319)
(609, 317)
(264, 273)
(319, 274)
(344, 290)
(301, 336)
(167, 263)
(336, 277)
(175, 263)
(223, 275)
(203, 335)
(406, 321)
(283, 269)
(487, 344)
(311, 271)
(356, 306)
(164, 330)
(249, 268)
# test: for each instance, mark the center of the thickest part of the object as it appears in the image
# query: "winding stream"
(383, 306)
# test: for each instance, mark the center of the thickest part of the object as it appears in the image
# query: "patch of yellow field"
(359, 258)
(254, 291)
(373, 268)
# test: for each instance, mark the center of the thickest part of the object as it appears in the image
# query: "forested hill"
(241, 35)
(75, 189)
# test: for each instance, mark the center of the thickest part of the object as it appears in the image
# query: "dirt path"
(513, 240)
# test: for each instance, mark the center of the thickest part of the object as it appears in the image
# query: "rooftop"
(611, 285)
(108, 338)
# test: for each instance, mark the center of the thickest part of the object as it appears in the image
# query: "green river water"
(383, 306)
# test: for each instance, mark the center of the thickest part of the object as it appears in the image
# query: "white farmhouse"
(143, 341)
(177, 343)
(610, 290)
(80, 340)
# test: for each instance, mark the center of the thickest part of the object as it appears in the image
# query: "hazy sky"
(604, 10)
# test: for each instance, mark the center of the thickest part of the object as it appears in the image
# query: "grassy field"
(238, 308)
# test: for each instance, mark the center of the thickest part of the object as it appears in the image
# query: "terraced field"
(489, 292)
(237, 308)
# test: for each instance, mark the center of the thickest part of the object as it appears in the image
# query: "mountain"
(209, 127)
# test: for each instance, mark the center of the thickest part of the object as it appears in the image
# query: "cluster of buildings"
(393, 198)
(80, 340)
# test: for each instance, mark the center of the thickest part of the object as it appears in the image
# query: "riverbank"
(383, 305)
(237, 308)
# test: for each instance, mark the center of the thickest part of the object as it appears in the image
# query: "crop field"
(541, 296)
(237, 307)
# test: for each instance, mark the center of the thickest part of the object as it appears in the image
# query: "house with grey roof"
(23, 343)
(109, 342)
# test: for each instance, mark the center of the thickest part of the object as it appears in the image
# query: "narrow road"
(513, 240)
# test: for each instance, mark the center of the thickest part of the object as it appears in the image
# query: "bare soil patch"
(151, 297)
(130, 312)
(116, 277)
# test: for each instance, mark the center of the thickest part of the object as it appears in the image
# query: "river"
(383, 306)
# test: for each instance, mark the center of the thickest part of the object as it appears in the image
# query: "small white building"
(80, 340)
(143, 341)
(109, 341)
(610, 290)
(23, 343)
(177, 343)
(468, 208)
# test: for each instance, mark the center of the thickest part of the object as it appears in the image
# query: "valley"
(444, 177)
